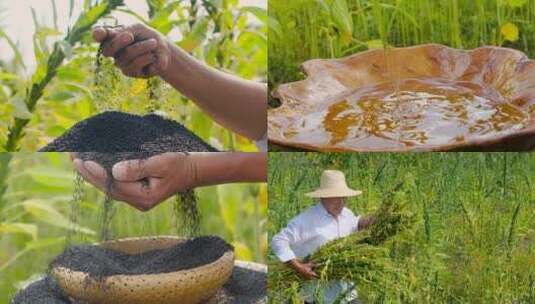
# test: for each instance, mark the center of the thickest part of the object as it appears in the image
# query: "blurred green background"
(300, 30)
(474, 239)
(36, 216)
(230, 35)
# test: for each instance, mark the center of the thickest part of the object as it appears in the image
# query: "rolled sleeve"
(281, 242)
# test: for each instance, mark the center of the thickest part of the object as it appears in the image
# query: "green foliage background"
(218, 32)
(36, 216)
(305, 29)
(474, 240)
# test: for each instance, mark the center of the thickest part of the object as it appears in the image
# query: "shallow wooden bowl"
(186, 286)
(505, 71)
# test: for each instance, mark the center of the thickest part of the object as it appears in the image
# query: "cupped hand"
(142, 183)
(138, 50)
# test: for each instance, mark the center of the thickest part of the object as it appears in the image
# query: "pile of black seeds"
(114, 131)
(45, 291)
(100, 262)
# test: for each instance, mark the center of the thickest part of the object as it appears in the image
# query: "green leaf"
(196, 36)
(44, 212)
(274, 27)
(342, 17)
(52, 177)
(20, 109)
(44, 243)
(259, 12)
(375, 44)
(30, 229)
(8, 76)
(61, 96)
(516, 3)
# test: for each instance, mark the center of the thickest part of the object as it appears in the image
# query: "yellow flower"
(138, 87)
(510, 32)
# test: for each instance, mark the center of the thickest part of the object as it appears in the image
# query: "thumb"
(137, 169)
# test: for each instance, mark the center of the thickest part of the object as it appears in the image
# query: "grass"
(301, 30)
(473, 240)
(38, 218)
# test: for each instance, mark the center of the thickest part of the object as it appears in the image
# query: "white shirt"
(306, 233)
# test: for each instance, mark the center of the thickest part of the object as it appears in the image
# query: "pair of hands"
(143, 183)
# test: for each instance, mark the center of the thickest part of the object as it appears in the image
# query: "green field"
(304, 29)
(36, 216)
(474, 238)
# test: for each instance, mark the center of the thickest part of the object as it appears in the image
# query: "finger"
(141, 195)
(117, 43)
(103, 33)
(137, 49)
(100, 33)
(87, 175)
(136, 67)
(137, 169)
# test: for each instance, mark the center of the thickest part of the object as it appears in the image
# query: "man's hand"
(305, 270)
(143, 183)
(366, 221)
(138, 50)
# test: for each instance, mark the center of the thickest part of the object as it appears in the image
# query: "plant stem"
(82, 25)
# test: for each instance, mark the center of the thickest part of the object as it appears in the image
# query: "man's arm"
(366, 221)
(281, 247)
(238, 104)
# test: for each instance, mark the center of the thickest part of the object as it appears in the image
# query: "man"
(325, 221)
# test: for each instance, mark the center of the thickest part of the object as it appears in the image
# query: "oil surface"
(409, 113)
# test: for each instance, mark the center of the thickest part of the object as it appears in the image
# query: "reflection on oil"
(422, 112)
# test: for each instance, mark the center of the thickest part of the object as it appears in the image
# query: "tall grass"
(305, 29)
(472, 242)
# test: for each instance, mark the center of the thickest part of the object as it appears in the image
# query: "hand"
(366, 221)
(143, 183)
(138, 50)
(305, 270)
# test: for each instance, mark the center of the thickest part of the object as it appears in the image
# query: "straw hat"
(333, 184)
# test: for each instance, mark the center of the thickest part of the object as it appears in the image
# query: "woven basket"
(185, 286)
